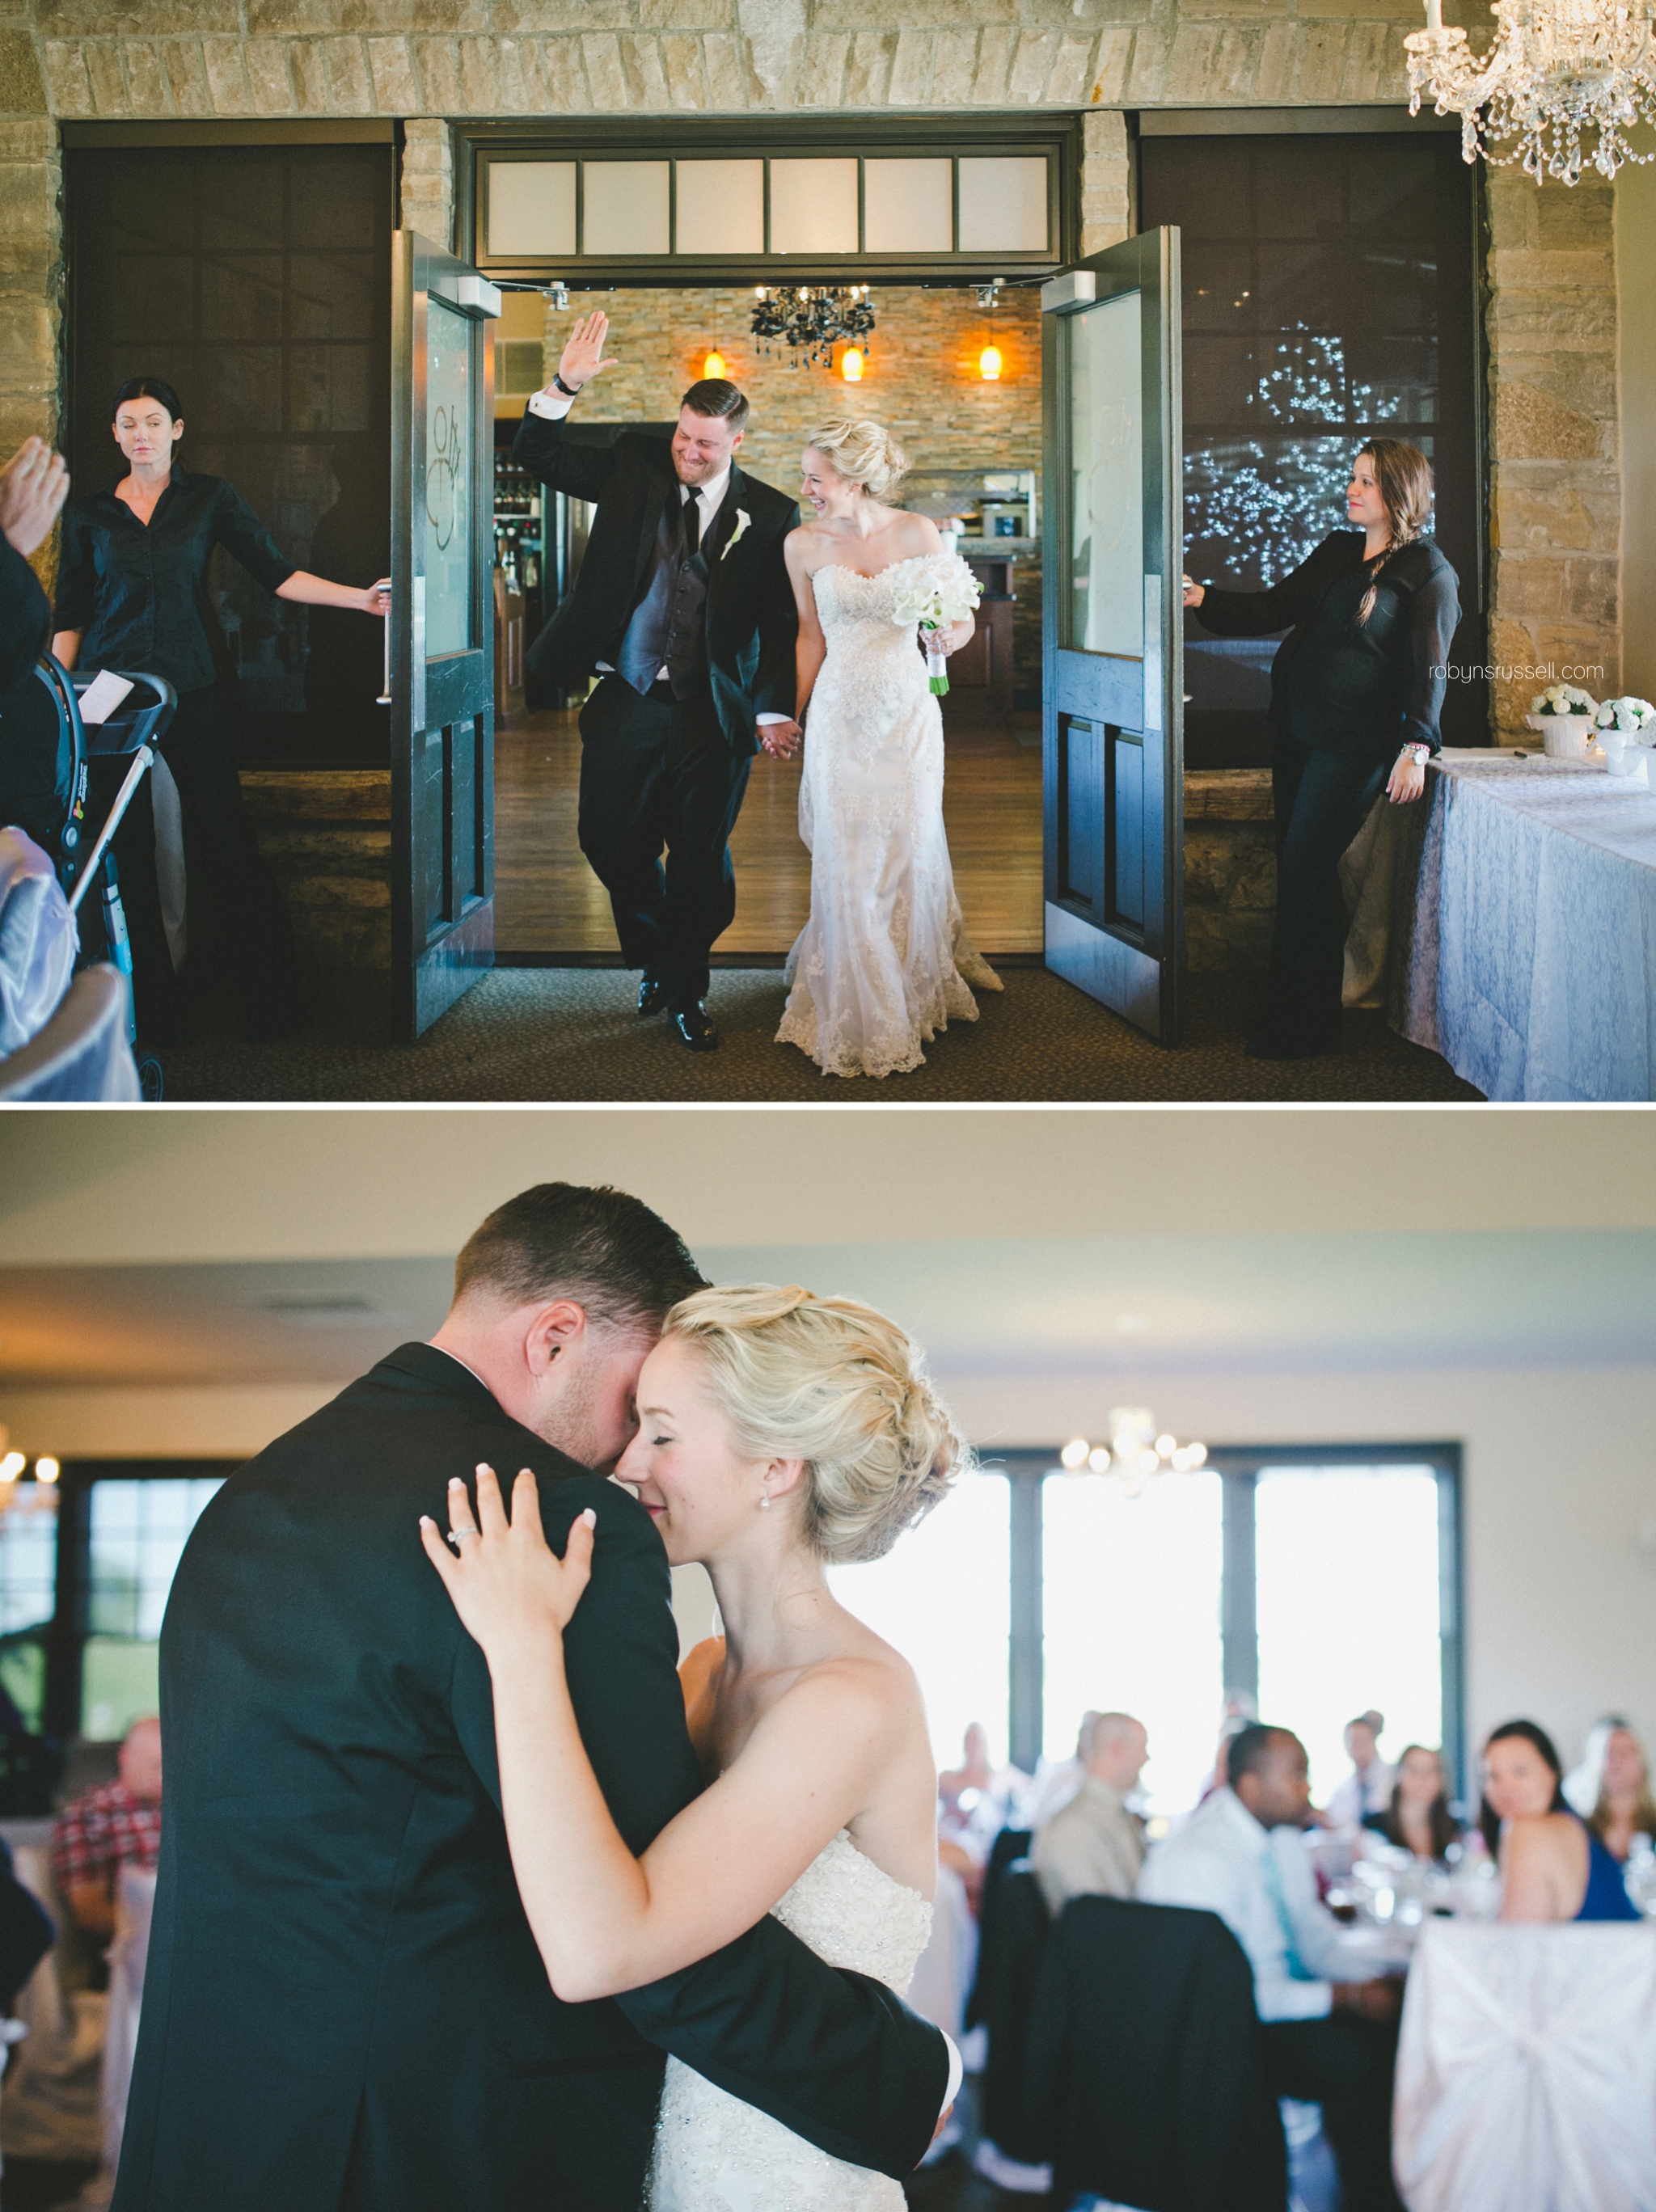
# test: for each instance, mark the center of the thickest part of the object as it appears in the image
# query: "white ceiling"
(1111, 1306)
(226, 1247)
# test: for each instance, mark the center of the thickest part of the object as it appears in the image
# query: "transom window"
(644, 205)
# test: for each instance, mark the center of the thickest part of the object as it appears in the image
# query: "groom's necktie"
(693, 525)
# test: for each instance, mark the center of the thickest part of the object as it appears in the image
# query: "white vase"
(1565, 737)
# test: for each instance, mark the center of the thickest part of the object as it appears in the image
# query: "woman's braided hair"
(833, 1382)
(1404, 478)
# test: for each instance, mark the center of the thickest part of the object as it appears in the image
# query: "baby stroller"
(50, 788)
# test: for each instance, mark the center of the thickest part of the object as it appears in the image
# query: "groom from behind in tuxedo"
(684, 611)
(344, 2009)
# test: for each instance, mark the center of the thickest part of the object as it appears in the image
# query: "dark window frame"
(731, 137)
(65, 1637)
(1239, 1467)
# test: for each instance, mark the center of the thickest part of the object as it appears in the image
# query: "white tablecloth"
(1527, 2070)
(1524, 941)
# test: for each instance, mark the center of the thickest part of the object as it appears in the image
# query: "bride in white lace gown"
(779, 1433)
(885, 960)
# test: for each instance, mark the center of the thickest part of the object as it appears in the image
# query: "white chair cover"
(1527, 2070)
(135, 1902)
(37, 941)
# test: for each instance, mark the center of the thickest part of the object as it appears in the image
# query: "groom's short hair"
(719, 399)
(599, 1246)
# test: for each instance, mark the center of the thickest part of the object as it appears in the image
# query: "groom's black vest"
(667, 627)
(748, 624)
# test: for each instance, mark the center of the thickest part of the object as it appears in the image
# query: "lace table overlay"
(885, 959)
(714, 2153)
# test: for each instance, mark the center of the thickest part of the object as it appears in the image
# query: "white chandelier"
(1134, 1453)
(1558, 67)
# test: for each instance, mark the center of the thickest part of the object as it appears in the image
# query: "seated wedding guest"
(34, 485)
(116, 1824)
(1094, 1846)
(1056, 1783)
(1552, 1865)
(1418, 1817)
(1356, 689)
(1611, 1789)
(1367, 1788)
(1328, 2027)
(133, 593)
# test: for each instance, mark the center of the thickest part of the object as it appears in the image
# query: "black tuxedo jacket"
(752, 621)
(343, 2005)
(26, 616)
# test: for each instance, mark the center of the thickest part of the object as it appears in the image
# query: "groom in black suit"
(344, 2009)
(683, 610)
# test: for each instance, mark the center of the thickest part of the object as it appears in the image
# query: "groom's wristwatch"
(569, 390)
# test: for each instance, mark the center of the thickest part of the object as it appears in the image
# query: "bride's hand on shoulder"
(509, 1587)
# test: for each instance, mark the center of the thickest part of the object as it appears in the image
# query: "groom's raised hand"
(582, 356)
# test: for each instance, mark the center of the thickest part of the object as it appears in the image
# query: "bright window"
(28, 1588)
(1348, 1582)
(942, 1597)
(139, 1529)
(1131, 1607)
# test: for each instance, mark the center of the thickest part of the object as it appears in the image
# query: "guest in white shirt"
(1329, 2027)
(1368, 1788)
(1094, 1846)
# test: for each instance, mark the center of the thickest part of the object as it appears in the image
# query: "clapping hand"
(582, 356)
(34, 485)
(508, 1586)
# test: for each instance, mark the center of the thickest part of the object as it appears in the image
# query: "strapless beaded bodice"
(715, 2154)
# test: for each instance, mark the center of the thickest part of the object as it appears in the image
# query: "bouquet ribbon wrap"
(934, 593)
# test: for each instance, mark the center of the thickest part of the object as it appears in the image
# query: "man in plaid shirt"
(116, 1824)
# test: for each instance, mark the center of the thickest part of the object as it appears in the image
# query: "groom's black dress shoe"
(651, 993)
(692, 1027)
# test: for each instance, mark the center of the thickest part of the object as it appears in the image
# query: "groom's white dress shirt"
(1260, 1883)
(957, 2070)
(554, 406)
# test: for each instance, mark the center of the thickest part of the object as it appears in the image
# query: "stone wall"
(1556, 491)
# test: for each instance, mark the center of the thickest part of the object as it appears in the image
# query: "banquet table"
(1523, 936)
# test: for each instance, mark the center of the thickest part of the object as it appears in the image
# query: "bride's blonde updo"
(833, 1382)
(864, 453)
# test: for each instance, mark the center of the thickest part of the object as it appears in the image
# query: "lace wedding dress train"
(714, 2153)
(885, 960)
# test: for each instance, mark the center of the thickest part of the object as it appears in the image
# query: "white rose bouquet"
(1633, 718)
(935, 594)
(1564, 699)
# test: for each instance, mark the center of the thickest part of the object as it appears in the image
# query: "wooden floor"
(548, 903)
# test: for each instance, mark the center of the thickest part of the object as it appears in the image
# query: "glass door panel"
(1106, 521)
(449, 472)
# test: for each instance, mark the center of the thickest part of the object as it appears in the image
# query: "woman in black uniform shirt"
(132, 593)
(1355, 692)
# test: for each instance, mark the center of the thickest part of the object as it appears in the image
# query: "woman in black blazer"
(132, 593)
(1356, 689)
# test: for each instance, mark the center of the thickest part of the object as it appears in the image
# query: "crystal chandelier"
(1135, 1452)
(1558, 67)
(811, 319)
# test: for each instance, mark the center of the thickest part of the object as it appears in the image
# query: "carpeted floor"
(571, 1034)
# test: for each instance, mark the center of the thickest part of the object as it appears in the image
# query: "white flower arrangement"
(1633, 718)
(743, 518)
(934, 593)
(1564, 699)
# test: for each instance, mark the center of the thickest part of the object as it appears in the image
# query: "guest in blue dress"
(1552, 1866)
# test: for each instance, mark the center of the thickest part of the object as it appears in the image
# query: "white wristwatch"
(1419, 753)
